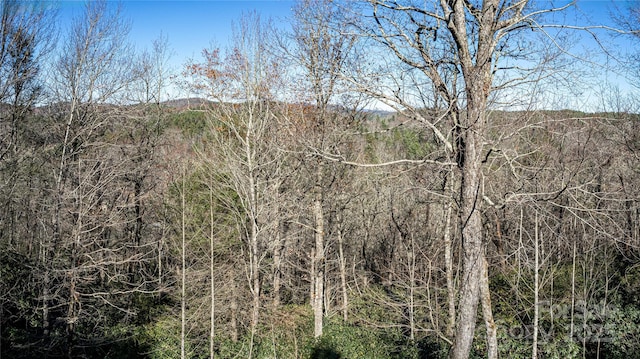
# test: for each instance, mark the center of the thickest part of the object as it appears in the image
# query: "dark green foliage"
(344, 340)
(17, 296)
(289, 335)
(413, 142)
(191, 123)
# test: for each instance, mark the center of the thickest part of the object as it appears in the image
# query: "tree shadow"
(325, 353)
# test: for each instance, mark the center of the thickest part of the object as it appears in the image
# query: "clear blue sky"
(192, 25)
(189, 25)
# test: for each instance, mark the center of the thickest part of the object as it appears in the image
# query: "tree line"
(378, 180)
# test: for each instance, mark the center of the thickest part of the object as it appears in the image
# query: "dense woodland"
(277, 212)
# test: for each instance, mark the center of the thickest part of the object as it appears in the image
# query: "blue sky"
(192, 25)
(189, 25)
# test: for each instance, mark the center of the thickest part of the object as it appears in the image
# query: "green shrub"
(344, 340)
(163, 338)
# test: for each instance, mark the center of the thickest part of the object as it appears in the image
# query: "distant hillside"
(188, 103)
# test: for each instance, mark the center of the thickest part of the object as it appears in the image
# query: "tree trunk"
(45, 302)
(183, 276)
(318, 299)
(212, 288)
(254, 257)
(536, 291)
(253, 218)
(412, 284)
(573, 290)
(472, 243)
(73, 305)
(312, 279)
(485, 293)
(343, 275)
(234, 309)
(160, 250)
(448, 261)
(278, 248)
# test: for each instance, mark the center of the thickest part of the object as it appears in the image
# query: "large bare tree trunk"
(472, 250)
(477, 73)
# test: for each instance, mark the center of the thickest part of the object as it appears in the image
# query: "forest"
(377, 179)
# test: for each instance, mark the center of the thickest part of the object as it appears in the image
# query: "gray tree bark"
(318, 275)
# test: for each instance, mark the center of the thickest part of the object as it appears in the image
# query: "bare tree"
(450, 54)
(243, 153)
(322, 53)
(152, 73)
(95, 244)
(26, 37)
